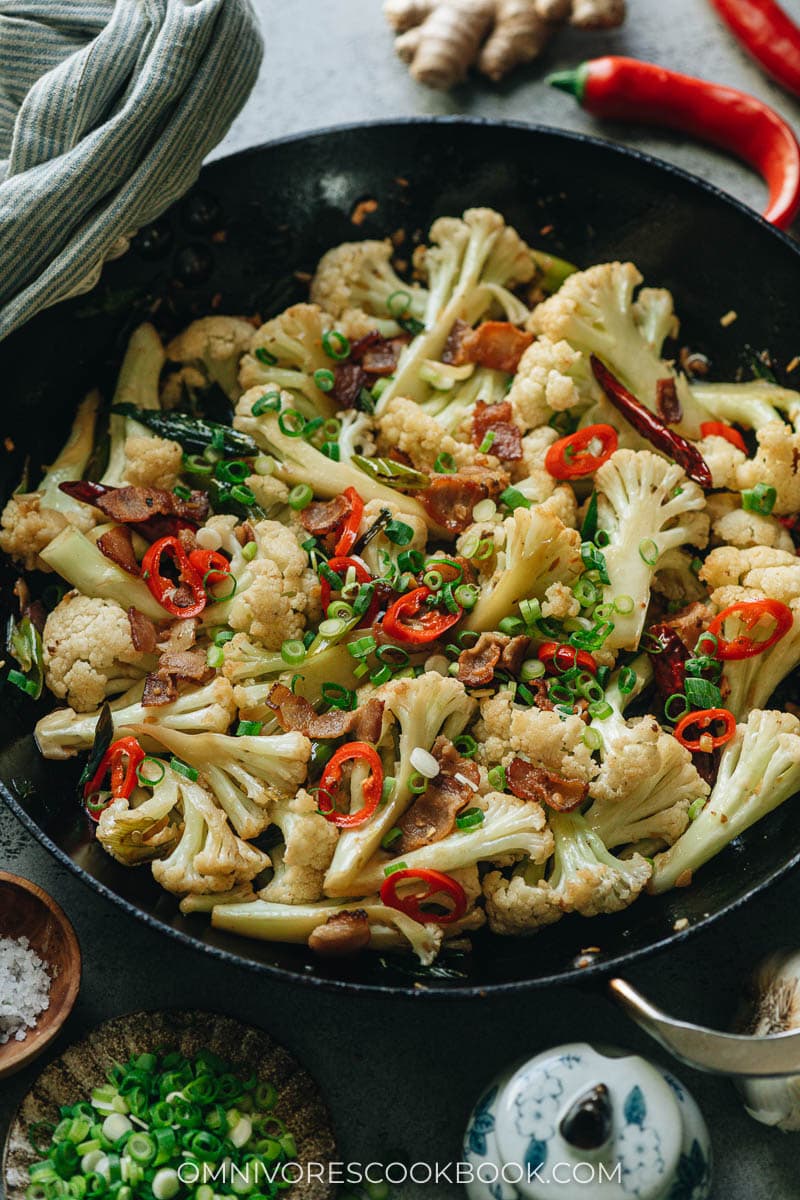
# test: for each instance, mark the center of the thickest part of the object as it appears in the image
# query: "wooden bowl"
(27, 911)
(83, 1066)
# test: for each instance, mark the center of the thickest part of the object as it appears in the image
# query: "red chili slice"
(340, 564)
(436, 882)
(570, 457)
(169, 594)
(212, 566)
(703, 719)
(371, 789)
(429, 623)
(558, 656)
(121, 759)
(348, 535)
(720, 429)
(750, 613)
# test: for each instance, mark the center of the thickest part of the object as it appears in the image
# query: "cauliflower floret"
(152, 462)
(648, 507)
(595, 312)
(89, 653)
(765, 569)
(209, 351)
(406, 427)
(775, 463)
(136, 834)
(517, 908)
(278, 588)
(271, 494)
(310, 841)
(737, 526)
(360, 275)
(551, 377)
(560, 602)
(27, 529)
(723, 460)
(286, 352)
(379, 553)
(546, 738)
(209, 857)
(645, 786)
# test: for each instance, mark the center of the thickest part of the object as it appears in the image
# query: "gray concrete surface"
(400, 1085)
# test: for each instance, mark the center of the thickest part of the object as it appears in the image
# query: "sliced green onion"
(411, 560)
(417, 783)
(339, 696)
(648, 551)
(291, 422)
(593, 739)
(600, 710)
(760, 499)
(585, 592)
(603, 611)
(362, 646)
(210, 580)
(269, 402)
(513, 498)
(530, 611)
(466, 595)
(340, 608)
(235, 471)
(669, 706)
(248, 729)
(300, 496)
(395, 656)
(391, 837)
(695, 808)
(146, 780)
(243, 494)
(497, 778)
(264, 356)
(532, 668)
(264, 464)
(215, 656)
(29, 686)
(390, 870)
(398, 533)
(594, 560)
(249, 551)
(512, 626)
(487, 441)
(381, 675)
(484, 510)
(701, 693)
(222, 636)
(293, 652)
(311, 426)
(335, 345)
(466, 745)
(602, 538)
(471, 818)
(331, 450)
(433, 580)
(361, 670)
(397, 303)
(388, 787)
(445, 464)
(182, 492)
(627, 680)
(324, 379)
(182, 768)
(623, 604)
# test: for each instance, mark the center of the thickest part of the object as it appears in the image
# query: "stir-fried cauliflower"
(88, 651)
(152, 461)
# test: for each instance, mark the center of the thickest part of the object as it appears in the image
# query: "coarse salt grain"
(24, 988)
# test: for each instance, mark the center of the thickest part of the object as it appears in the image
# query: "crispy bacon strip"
(296, 714)
(530, 782)
(137, 505)
(343, 934)
(143, 631)
(498, 420)
(117, 544)
(432, 816)
(450, 499)
(496, 344)
(325, 516)
(477, 664)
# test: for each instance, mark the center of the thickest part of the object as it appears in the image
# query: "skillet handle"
(708, 1049)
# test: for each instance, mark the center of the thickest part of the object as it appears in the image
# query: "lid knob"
(588, 1123)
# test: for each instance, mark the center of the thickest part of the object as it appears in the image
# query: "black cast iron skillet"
(234, 245)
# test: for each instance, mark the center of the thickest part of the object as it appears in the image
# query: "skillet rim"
(575, 976)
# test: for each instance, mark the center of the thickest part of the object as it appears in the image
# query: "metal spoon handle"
(707, 1049)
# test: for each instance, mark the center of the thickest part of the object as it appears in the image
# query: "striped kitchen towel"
(107, 109)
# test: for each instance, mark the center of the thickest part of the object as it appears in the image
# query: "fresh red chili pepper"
(571, 457)
(652, 427)
(558, 656)
(340, 564)
(371, 788)
(121, 759)
(750, 612)
(720, 429)
(703, 719)
(625, 89)
(435, 882)
(428, 623)
(212, 566)
(165, 589)
(349, 531)
(768, 34)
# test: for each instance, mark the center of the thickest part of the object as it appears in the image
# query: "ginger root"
(442, 39)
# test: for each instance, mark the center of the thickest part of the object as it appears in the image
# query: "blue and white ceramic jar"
(581, 1123)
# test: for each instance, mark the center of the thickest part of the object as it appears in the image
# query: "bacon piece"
(361, 345)
(530, 782)
(368, 721)
(117, 544)
(497, 419)
(450, 499)
(143, 631)
(496, 344)
(185, 664)
(343, 934)
(432, 815)
(325, 516)
(668, 404)
(478, 663)
(158, 689)
(296, 714)
(349, 379)
(135, 505)
(382, 357)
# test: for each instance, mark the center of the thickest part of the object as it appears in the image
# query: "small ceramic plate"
(83, 1066)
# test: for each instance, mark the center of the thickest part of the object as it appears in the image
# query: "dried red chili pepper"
(720, 429)
(121, 759)
(558, 656)
(570, 457)
(626, 89)
(371, 788)
(348, 534)
(703, 719)
(668, 655)
(652, 427)
(436, 883)
(750, 612)
(169, 594)
(768, 34)
(429, 623)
